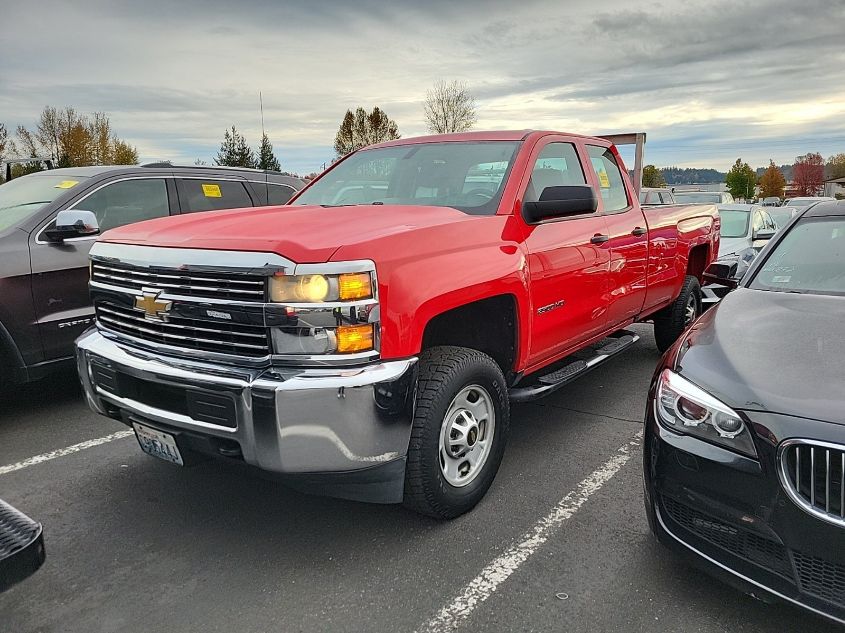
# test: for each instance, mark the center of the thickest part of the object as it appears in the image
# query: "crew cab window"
(127, 201)
(208, 195)
(557, 165)
(611, 185)
(279, 194)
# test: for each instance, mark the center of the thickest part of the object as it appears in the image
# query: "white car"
(703, 197)
(805, 202)
(744, 231)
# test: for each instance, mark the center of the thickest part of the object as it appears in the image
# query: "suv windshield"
(21, 197)
(734, 223)
(810, 258)
(466, 176)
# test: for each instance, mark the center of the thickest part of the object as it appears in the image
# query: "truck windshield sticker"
(601, 172)
(67, 184)
(211, 191)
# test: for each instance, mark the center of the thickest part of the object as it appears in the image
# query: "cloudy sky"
(708, 81)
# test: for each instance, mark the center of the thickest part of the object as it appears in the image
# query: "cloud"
(704, 80)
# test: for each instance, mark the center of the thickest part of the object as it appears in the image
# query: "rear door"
(60, 271)
(628, 232)
(197, 193)
(567, 259)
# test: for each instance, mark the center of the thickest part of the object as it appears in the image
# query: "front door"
(567, 261)
(60, 271)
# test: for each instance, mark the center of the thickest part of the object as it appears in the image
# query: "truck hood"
(304, 234)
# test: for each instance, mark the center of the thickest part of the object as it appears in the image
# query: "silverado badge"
(150, 305)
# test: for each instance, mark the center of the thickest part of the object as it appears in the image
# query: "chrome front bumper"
(297, 421)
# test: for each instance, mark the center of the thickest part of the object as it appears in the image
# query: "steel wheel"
(466, 435)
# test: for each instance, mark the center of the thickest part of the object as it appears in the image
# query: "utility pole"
(261, 108)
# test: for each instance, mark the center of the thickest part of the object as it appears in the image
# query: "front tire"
(459, 433)
(672, 320)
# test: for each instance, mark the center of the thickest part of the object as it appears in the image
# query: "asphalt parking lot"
(559, 543)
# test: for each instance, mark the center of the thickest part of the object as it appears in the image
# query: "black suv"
(44, 301)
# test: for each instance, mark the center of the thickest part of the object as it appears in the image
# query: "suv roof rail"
(252, 170)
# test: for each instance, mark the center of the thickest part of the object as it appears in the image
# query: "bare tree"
(449, 107)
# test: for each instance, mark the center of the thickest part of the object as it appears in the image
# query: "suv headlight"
(685, 408)
(325, 313)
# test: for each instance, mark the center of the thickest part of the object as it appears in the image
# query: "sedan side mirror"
(557, 202)
(762, 234)
(723, 274)
(72, 223)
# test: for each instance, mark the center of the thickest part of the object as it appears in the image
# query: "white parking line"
(46, 457)
(499, 570)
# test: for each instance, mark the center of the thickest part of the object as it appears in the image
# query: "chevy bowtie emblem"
(150, 305)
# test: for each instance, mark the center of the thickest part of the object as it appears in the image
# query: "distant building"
(834, 186)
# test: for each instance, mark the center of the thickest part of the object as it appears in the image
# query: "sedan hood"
(732, 245)
(772, 351)
(304, 234)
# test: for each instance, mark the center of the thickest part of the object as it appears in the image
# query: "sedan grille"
(193, 334)
(813, 474)
(228, 286)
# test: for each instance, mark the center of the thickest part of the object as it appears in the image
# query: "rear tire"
(459, 432)
(672, 320)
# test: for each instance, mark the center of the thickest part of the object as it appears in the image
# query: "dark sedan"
(744, 456)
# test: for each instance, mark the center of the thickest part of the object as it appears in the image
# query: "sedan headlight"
(321, 288)
(685, 408)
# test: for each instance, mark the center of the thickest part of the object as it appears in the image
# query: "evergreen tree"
(653, 177)
(741, 180)
(234, 151)
(266, 158)
(363, 128)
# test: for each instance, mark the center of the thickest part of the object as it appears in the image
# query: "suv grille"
(194, 334)
(813, 473)
(194, 284)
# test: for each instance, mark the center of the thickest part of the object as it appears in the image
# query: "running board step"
(553, 381)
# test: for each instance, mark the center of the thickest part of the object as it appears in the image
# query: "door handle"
(598, 238)
(639, 231)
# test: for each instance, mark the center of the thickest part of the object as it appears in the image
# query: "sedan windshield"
(697, 197)
(781, 215)
(21, 197)
(810, 258)
(466, 176)
(734, 223)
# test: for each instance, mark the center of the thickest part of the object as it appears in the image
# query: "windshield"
(698, 197)
(780, 215)
(810, 258)
(734, 223)
(466, 176)
(21, 197)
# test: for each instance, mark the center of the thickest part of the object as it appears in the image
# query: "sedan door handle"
(598, 238)
(639, 231)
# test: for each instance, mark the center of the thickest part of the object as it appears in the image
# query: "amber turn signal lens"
(355, 338)
(352, 286)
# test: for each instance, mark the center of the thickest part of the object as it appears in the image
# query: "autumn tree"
(123, 153)
(808, 174)
(234, 151)
(741, 180)
(772, 182)
(449, 107)
(835, 167)
(363, 128)
(266, 158)
(653, 177)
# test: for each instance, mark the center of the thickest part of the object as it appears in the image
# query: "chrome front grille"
(813, 474)
(178, 331)
(240, 287)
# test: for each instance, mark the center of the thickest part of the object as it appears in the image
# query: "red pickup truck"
(367, 340)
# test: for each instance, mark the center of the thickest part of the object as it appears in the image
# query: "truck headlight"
(321, 288)
(685, 408)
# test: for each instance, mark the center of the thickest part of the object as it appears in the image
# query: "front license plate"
(158, 444)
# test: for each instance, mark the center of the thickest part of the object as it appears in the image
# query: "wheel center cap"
(472, 436)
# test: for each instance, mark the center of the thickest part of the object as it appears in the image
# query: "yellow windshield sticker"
(604, 181)
(67, 184)
(212, 191)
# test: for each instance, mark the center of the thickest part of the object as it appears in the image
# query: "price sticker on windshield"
(211, 191)
(67, 184)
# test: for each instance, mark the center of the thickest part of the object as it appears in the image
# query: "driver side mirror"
(557, 202)
(723, 274)
(72, 223)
